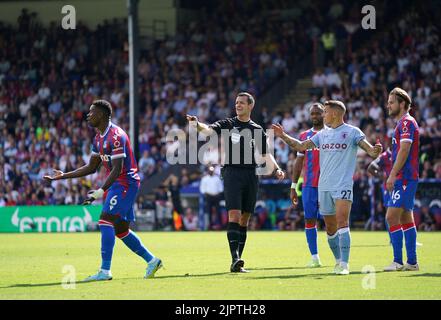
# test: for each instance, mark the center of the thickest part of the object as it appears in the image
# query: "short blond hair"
(335, 104)
(402, 96)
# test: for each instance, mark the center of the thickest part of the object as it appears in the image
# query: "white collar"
(107, 130)
(405, 115)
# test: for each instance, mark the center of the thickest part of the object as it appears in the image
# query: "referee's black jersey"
(243, 139)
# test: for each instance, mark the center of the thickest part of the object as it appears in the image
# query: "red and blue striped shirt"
(311, 163)
(407, 130)
(385, 163)
(114, 144)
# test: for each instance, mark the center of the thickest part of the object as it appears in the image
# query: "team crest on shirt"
(235, 138)
(405, 128)
(344, 135)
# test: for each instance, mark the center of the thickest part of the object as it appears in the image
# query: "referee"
(245, 138)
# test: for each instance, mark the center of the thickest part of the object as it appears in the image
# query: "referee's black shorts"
(240, 188)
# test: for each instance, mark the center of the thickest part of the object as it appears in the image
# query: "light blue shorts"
(327, 199)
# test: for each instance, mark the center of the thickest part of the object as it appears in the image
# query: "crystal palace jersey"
(311, 165)
(385, 163)
(407, 130)
(114, 144)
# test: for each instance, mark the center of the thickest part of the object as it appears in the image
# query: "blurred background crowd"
(50, 76)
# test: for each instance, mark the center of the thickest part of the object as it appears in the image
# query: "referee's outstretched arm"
(201, 127)
(295, 144)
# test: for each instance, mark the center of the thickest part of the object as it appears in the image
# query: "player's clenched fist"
(378, 149)
(58, 174)
(294, 197)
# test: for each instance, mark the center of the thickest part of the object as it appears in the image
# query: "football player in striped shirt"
(308, 161)
(403, 181)
(111, 147)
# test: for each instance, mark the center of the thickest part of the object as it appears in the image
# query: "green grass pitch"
(197, 267)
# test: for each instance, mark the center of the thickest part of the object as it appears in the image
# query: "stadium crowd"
(49, 77)
(406, 56)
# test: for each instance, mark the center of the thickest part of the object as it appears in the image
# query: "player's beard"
(317, 123)
(393, 113)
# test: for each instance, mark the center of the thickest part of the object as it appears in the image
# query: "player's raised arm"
(89, 168)
(373, 151)
(295, 144)
(201, 127)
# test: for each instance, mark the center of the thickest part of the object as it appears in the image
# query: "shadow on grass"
(309, 275)
(428, 275)
(53, 284)
(369, 245)
(188, 275)
(283, 268)
(230, 273)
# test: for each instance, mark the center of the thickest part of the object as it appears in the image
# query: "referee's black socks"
(233, 235)
(242, 239)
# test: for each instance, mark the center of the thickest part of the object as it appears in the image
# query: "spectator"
(329, 42)
(190, 220)
(212, 187)
(318, 82)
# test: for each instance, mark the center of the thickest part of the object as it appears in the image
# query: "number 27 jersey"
(338, 156)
